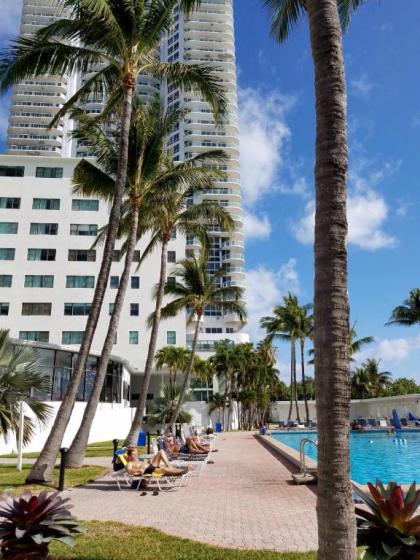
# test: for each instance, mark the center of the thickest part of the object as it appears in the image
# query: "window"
(171, 256)
(8, 227)
(9, 203)
(171, 280)
(77, 308)
(39, 281)
(80, 204)
(114, 282)
(46, 204)
(134, 309)
(82, 255)
(41, 254)
(111, 308)
(229, 330)
(5, 280)
(211, 311)
(136, 256)
(36, 308)
(83, 229)
(49, 172)
(135, 282)
(7, 254)
(72, 337)
(170, 337)
(173, 233)
(214, 330)
(80, 281)
(116, 256)
(4, 309)
(34, 336)
(134, 337)
(12, 171)
(43, 229)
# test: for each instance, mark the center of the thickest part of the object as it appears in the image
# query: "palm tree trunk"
(225, 396)
(80, 441)
(335, 510)
(43, 467)
(295, 383)
(137, 422)
(302, 365)
(187, 376)
(291, 382)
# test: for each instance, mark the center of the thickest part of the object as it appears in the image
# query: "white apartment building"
(47, 267)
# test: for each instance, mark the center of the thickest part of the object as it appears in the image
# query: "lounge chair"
(404, 422)
(372, 422)
(282, 424)
(362, 422)
(414, 419)
(383, 423)
(313, 423)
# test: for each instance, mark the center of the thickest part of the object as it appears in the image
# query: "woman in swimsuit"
(134, 466)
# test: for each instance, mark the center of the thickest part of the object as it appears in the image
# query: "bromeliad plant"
(28, 524)
(389, 529)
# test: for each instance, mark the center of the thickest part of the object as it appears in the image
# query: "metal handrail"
(303, 442)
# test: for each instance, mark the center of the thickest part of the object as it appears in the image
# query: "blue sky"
(277, 145)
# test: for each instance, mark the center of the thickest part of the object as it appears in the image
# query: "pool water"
(373, 455)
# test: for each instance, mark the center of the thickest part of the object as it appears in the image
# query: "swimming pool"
(373, 455)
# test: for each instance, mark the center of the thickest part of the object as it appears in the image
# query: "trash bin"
(141, 440)
(263, 431)
(218, 427)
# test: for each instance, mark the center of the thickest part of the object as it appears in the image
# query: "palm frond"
(346, 9)
(285, 15)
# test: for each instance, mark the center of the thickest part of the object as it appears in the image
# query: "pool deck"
(246, 499)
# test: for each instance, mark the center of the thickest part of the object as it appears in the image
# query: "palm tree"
(217, 402)
(118, 39)
(20, 378)
(224, 363)
(335, 509)
(195, 291)
(355, 344)
(305, 331)
(409, 312)
(167, 213)
(175, 358)
(164, 406)
(368, 382)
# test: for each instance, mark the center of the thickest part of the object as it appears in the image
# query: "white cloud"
(264, 290)
(256, 227)
(362, 86)
(391, 351)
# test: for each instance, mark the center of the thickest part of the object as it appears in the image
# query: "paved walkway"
(244, 500)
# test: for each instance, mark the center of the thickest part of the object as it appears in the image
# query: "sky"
(276, 105)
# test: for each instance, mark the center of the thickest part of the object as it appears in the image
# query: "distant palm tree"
(194, 291)
(407, 314)
(116, 41)
(163, 409)
(20, 378)
(355, 344)
(305, 330)
(218, 403)
(225, 363)
(335, 508)
(175, 358)
(368, 382)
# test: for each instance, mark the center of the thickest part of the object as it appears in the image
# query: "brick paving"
(244, 500)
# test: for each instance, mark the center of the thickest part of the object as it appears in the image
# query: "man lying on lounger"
(190, 447)
(136, 467)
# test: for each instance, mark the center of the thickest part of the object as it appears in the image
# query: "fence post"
(115, 444)
(63, 460)
(148, 443)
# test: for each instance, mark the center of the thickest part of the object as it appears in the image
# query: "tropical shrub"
(29, 523)
(389, 528)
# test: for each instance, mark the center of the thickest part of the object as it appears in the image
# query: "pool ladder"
(303, 468)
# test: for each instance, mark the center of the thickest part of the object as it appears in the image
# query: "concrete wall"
(368, 408)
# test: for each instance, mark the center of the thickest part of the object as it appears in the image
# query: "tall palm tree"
(175, 358)
(224, 363)
(408, 313)
(193, 291)
(168, 212)
(355, 343)
(305, 331)
(217, 402)
(20, 378)
(336, 521)
(368, 381)
(118, 39)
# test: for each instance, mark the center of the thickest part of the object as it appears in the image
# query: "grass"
(14, 482)
(116, 541)
(97, 449)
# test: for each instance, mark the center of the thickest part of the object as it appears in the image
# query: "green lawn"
(115, 541)
(97, 449)
(14, 482)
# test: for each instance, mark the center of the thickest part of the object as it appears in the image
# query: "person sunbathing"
(189, 448)
(199, 443)
(137, 467)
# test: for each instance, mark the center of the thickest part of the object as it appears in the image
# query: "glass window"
(34, 336)
(7, 254)
(111, 308)
(171, 256)
(173, 233)
(212, 311)
(135, 282)
(114, 282)
(46, 204)
(77, 308)
(116, 256)
(43, 229)
(171, 280)
(4, 309)
(36, 308)
(134, 337)
(9, 202)
(82, 255)
(83, 229)
(49, 172)
(5, 280)
(80, 281)
(229, 330)
(134, 309)
(170, 337)
(46, 365)
(72, 337)
(91, 367)
(12, 171)
(136, 256)
(8, 227)
(81, 204)
(39, 281)
(62, 371)
(214, 330)
(41, 254)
